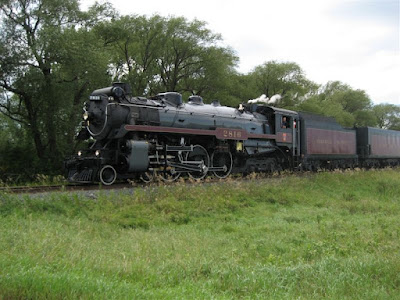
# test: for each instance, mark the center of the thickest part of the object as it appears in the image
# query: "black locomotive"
(135, 137)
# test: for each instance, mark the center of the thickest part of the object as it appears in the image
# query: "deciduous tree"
(350, 107)
(387, 115)
(160, 54)
(49, 58)
(286, 79)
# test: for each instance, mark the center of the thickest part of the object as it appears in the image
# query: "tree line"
(53, 54)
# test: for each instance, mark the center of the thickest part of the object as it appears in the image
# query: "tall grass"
(329, 235)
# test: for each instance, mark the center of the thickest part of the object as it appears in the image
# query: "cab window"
(285, 122)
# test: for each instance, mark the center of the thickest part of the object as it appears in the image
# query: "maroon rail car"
(325, 143)
(378, 147)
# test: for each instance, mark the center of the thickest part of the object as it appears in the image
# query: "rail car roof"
(315, 117)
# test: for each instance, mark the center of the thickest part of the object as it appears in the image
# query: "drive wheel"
(222, 159)
(168, 173)
(199, 154)
(147, 176)
(108, 175)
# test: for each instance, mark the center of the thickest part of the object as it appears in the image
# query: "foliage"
(17, 160)
(49, 60)
(348, 106)
(286, 79)
(326, 235)
(388, 116)
(159, 54)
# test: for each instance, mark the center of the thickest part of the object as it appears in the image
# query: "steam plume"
(264, 99)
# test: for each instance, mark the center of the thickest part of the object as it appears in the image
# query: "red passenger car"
(325, 143)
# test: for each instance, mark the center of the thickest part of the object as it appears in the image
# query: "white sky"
(354, 41)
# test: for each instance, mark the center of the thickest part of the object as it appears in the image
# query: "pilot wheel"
(108, 175)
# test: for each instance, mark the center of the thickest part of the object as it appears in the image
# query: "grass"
(326, 235)
(36, 180)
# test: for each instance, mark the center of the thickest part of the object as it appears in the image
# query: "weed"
(349, 197)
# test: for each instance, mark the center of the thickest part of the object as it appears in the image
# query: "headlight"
(97, 153)
(79, 153)
(85, 115)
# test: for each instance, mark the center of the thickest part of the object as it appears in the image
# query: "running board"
(179, 148)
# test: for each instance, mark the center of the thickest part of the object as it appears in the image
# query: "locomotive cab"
(278, 119)
(287, 130)
(284, 124)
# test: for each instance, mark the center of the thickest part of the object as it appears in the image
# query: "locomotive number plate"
(230, 134)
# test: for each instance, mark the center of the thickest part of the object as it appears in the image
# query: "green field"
(325, 235)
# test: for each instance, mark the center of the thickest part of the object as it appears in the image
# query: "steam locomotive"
(135, 137)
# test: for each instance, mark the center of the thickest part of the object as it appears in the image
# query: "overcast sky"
(354, 41)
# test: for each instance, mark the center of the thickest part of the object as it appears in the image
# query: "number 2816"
(232, 134)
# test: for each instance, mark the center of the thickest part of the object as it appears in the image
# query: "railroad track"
(96, 187)
(61, 188)
(135, 184)
(31, 189)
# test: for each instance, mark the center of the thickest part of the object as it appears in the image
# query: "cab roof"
(270, 109)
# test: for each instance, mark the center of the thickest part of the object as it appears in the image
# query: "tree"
(387, 115)
(45, 71)
(134, 45)
(286, 79)
(211, 80)
(166, 54)
(190, 55)
(348, 106)
(238, 88)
